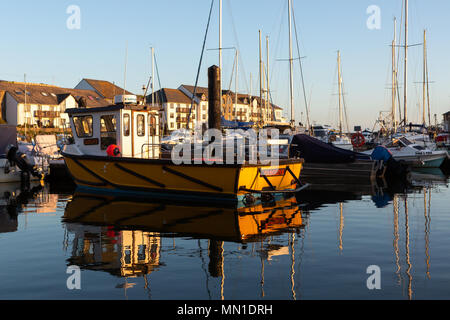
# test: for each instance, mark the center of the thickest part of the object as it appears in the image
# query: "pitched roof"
(166, 95)
(44, 94)
(105, 88)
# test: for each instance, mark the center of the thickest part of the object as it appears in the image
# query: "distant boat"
(414, 154)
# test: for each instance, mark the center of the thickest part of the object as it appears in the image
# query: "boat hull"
(162, 178)
(423, 161)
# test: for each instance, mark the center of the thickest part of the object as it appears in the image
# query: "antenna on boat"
(125, 71)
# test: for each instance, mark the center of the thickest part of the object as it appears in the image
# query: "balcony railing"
(46, 114)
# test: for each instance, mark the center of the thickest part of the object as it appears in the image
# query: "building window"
(126, 125)
(83, 126)
(107, 131)
(140, 125)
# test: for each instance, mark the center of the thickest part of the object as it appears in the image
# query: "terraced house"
(176, 108)
(42, 105)
(176, 104)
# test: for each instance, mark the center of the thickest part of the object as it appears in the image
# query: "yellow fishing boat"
(116, 149)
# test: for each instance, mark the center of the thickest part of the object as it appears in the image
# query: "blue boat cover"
(315, 151)
(235, 124)
(381, 153)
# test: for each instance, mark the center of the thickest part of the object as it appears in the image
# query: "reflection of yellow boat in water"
(227, 223)
(138, 164)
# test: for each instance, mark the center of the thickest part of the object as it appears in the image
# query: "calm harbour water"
(317, 245)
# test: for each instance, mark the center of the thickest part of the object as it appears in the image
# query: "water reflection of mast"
(204, 269)
(408, 262)
(262, 277)
(396, 237)
(292, 240)
(341, 226)
(427, 230)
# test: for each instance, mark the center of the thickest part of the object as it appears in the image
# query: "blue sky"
(36, 41)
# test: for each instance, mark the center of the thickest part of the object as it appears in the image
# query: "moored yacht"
(414, 154)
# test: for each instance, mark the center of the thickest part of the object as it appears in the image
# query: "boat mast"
(153, 76)
(267, 81)
(260, 112)
(236, 86)
(424, 76)
(220, 52)
(340, 92)
(406, 67)
(394, 77)
(428, 88)
(291, 79)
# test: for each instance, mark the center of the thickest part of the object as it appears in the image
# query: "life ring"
(113, 151)
(358, 140)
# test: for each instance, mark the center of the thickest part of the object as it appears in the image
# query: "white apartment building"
(176, 108)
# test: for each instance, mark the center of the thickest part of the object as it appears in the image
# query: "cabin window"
(83, 126)
(140, 125)
(107, 131)
(126, 125)
(151, 125)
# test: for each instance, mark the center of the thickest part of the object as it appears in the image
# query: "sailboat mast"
(236, 85)
(291, 76)
(394, 121)
(153, 76)
(428, 88)
(220, 52)
(405, 92)
(267, 81)
(424, 76)
(260, 79)
(340, 92)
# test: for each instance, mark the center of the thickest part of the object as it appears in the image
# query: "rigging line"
(232, 73)
(157, 72)
(276, 50)
(301, 68)
(200, 65)
(277, 45)
(240, 61)
(345, 107)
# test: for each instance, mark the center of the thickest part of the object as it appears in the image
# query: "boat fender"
(358, 140)
(113, 151)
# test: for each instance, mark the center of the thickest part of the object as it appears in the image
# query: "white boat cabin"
(135, 129)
